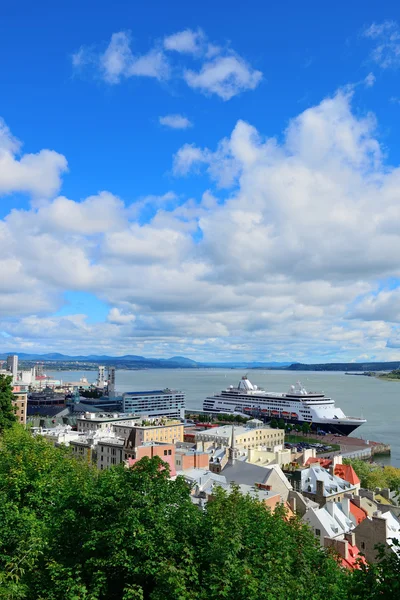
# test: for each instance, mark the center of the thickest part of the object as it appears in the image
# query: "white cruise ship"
(297, 406)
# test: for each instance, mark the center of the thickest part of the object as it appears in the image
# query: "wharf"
(351, 447)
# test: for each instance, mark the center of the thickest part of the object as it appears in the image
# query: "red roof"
(324, 462)
(359, 513)
(353, 559)
(347, 473)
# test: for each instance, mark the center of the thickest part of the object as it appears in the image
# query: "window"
(169, 452)
(362, 545)
(165, 453)
(317, 532)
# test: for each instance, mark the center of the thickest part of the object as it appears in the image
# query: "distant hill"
(350, 366)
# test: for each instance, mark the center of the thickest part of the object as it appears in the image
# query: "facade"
(190, 459)
(12, 365)
(245, 437)
(110, 452)
(167, 403)
(164, 451)
(348, 551)
(20, 402)
(91, 422)
(111, 382)
(332, 520)
(381, 528)
(170, 432)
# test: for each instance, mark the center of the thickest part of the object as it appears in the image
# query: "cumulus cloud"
(222, 71)
(186, 41)
(175, 121)
(118, 61)
(386, 38)
(291, 262)
(36, 174)
(225, 76)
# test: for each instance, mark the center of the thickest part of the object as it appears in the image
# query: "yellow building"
(245, 437)
(170, 432)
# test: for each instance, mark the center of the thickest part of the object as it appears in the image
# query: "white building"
(165, 403)
(333, 520)
(101, 378)
(93, 422)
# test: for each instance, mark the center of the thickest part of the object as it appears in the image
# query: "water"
(376, 400)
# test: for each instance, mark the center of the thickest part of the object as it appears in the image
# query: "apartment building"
(166, 403)
(20, 402)
(244, 437)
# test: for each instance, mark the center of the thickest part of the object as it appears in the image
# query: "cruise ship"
(297, 406)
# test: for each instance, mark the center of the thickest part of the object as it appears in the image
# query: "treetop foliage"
(71, 532)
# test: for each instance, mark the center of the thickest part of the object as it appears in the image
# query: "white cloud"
(386, 35)
(37, 174)
(223, 72)
(286, 264)
(175, 121)
(369, 80)
(225, 76)
(119, 318)
(186, 41)
(118, 61)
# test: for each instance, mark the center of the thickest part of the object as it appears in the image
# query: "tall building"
(20, 402)
(101, 381)
(111, 382)
(156, 403)
(12, 364)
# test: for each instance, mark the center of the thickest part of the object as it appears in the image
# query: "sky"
(215, 180)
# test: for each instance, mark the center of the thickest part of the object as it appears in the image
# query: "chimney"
(350, 537)
(346, 506)
(337, 460)
(320, 488)
(357, 501)
(292, 503)
(341, 546)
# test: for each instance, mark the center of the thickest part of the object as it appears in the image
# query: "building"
(166, 452)
(92, 421)
(349, 554)
(61, 434)
(347, 473)
(12, 365)
(332, 520)
(109, 452)
(381, 528)
(111, 382)
(318, 484)
(20, 402)
(101, 378)
(166, 403)
(188, 458)
(245, 437)
(168, 432)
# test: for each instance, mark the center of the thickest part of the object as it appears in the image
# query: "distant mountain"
(183, 361)
(350, 366)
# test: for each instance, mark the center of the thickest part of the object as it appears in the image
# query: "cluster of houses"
(325, 493)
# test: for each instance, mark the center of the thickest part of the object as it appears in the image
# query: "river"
(376, 400)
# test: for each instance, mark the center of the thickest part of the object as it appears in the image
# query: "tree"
(281, 424)
(274, 423)
(306, 428)
(7, 409)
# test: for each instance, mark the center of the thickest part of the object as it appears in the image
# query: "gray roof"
(244, 473)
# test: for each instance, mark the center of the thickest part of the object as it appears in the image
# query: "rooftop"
(153, 392)
(226, 430)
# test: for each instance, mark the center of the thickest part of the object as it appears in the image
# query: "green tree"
(306, 428)
(7, 410)
(274, 423)
(281, 424)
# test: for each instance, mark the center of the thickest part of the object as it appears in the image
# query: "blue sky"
(208, 179)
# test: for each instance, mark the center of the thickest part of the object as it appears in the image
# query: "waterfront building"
(20, 402)
(168, 403)
(245, 437)
(111, 382)
(381, 528)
